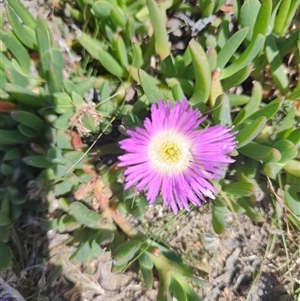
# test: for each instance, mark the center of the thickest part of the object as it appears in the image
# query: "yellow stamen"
(170, 152)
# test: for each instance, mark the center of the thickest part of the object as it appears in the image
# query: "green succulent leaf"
(291, 199)
(158, 18)
(96, 49)
(137, 56)
(246, 57)
(147, 276)
(250, 131)
(268, 110)
(102, 9)
(218, 216)
(23, 13)
(230, 47)
(16, 77)
(4, 236)
(37, 161)
(17, 49)
(24, 33)
(294, 137)
(121, 51)
(221, 112)
(285, 15)
(260, 152)
(63, 103)
(12, 154)
(277, 66)
(28, 119)
(287, 150)
(11, 137)
(6, 256)
(178, 290)
(237, 78)
(151, 90)
(117, 17)
(86, 252)
(293, 167)
(239, 188)
(28, 131)
(250, 210)
(62, 187)
(4, 218)
(67, 223)
(64, 204)
(248, 16)
(86, 216)
(25, 96)
(262, 21)
(51, 57)
(126, 251)
(202, 74)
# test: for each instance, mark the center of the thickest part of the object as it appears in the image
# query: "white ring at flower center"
(169, 152)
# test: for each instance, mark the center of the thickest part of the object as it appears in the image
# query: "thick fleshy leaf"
(86, 216)
(221, 112)
(218, 216)
(277, 66)
(269, 110)
(239, 188)
(237, 78)
(260, 152)
(126, 251)
(25, 96)
(118, 17)
(250, 210)
(151, 90)
(202, 74)
(293, 167)
(250, 131)
(24, 33)
(248, 16)
(28, 119)
(6, 256)
(137, 56)
(216, 89)
(285, 15)
(158, 19)
(287, 150)
(50, 56)
(252, 105)
(294, 137)
(17, 49)
(23, 13)
(11, 137)
(291, 199)
(287, 122)
(230, 47)
(289, 18)
(37, 161)
(87, 251)
(263, 19)
(246, 57)
(121, 51)
(146, 266)
(178, 290)
(14, 75)
(4, 218)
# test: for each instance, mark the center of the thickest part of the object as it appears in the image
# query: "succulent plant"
(51, 128)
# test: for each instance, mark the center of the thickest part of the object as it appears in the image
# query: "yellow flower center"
(169, 152)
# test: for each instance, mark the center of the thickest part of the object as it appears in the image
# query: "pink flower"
(171, 156)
